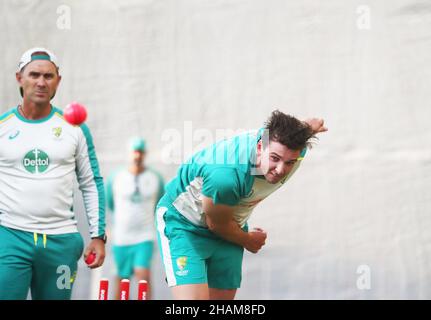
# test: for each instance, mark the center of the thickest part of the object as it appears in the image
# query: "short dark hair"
(289, 131)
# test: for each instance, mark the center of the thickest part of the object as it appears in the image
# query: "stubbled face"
(276, 160)
(137, 157)
(39, 81)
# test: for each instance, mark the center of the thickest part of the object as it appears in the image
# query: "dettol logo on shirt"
(36, 161)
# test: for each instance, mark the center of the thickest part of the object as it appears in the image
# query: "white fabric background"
(362, 195)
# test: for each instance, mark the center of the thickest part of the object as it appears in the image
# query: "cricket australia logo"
(57, 132)
(181, 264)
(36, 161)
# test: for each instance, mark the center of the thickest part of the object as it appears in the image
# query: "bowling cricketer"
(202, 218)
(40, 156)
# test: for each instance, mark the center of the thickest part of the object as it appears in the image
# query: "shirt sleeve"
(222, 186)
(109, 192)
(161, 189)
(90, 182)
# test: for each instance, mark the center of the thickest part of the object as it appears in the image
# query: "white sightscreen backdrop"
(355, 220)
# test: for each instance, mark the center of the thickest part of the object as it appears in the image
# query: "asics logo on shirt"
(35, 161)
(14, 135)
(250, 194)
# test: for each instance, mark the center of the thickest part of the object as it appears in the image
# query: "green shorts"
(45, 264)
(128, 258)
(192, 254)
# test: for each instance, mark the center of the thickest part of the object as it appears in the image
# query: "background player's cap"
(137, 144)
(33, 54)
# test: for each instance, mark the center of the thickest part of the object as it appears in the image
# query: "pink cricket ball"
(90, 258)
(75, 113)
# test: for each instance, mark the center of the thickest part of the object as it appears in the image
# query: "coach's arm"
(219, 219)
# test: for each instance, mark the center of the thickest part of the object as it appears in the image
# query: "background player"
(132, 195)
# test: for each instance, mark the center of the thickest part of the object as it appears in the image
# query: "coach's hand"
(97, 246)
(256, 240)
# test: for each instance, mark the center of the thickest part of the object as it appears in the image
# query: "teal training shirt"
(223, 172)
